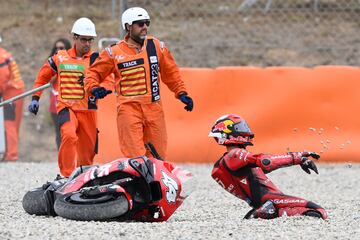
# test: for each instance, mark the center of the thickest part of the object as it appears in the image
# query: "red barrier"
(288, 108)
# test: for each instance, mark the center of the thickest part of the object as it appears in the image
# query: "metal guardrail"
(27, 93)
(2, 134)
(122, 5)
(103, 42)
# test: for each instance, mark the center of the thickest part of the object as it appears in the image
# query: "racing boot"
(304, 211)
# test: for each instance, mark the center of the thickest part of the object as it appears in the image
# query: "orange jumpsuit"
(75, 108)
(11, 85)
(140, 117)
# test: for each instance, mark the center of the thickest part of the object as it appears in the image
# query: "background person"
(60, 44)
(76, 110)
(139, 63)
(11, 85)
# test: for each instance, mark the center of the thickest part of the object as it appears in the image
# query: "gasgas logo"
(223, 126)
(285, 201)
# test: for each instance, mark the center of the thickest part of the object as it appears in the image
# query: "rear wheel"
(34, 202)
(75, 206)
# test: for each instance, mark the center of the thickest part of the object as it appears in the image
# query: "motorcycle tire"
(34, 202)
(91, 211)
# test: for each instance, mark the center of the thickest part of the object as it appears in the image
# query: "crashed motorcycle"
(140, 189)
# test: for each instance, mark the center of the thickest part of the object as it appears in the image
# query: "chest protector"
(139, 74)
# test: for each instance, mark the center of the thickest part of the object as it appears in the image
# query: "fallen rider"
(243, 173)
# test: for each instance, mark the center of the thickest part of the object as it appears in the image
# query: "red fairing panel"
(171, 179)
(98, 171)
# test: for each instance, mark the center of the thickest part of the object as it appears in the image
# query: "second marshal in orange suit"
(11, 85)
(75, 108)
(139, 63)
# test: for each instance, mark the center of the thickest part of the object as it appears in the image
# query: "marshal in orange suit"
(11, 85)
(139, 63)
(75, 108)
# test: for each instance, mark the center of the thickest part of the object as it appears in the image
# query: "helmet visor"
(243, 128)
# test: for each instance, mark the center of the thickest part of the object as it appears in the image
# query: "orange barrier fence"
(288, 109)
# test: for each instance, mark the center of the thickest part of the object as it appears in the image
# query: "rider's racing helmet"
(231, 129)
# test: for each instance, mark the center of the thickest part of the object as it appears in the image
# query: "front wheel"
(34, 202)
(74, 206)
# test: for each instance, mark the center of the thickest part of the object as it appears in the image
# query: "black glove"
(34, 105)
(306, 164)
(187, 101)
(100, 92)
(311, 154)
(81, 80)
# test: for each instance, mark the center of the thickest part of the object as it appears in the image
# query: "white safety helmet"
(133, 14)
(84, 27)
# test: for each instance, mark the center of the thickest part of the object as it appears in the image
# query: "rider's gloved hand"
(100, 92)
(311, 154)
(34, 105)
(306, 164)
(302, 159)
(184, 98)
